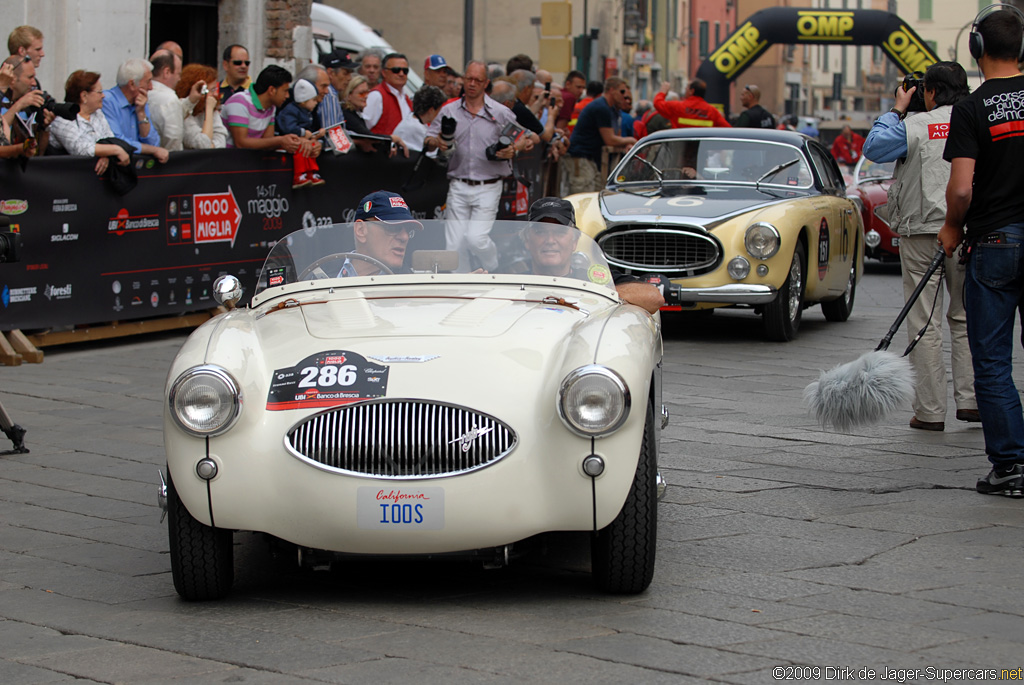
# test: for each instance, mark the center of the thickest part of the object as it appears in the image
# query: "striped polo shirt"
(243, 109)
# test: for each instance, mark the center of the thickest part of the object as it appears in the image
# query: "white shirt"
(375, 106)
(412, 132)
(166, 111)
(195, 139)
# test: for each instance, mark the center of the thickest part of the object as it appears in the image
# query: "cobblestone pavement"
(781, 546)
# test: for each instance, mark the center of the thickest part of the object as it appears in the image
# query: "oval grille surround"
(406, 439)
(662, 250)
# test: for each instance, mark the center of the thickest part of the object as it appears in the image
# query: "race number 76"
(328, 375)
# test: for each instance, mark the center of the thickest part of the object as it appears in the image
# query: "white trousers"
(916, 253)
(470, 211)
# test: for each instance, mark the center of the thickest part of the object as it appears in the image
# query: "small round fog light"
(206, 469)
(762, 270)
(739, 268)
(593, 466)
(873, 238)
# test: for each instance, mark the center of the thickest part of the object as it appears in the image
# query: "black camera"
(494, 148)
(447, 134)
(64, 110)
(914, 80)
(10, 245)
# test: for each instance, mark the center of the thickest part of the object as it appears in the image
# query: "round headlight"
(738, 268)
(762, 241)
(205, 401)
(593, 401)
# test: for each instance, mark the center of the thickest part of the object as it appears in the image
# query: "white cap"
(303, 90)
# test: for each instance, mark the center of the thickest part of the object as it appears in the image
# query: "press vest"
(917, 197)
(391, 111)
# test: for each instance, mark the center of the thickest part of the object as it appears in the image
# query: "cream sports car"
(424, 412)
(733, 217)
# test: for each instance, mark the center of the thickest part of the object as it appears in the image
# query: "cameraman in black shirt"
(985, 146)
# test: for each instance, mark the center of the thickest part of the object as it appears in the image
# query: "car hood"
(707, 204)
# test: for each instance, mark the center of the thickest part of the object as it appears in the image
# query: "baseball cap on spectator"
(303, 90)
(436, 62)
(384, 206)
(553, 208)
(339, 59)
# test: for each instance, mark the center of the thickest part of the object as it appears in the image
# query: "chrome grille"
(662, 250)
(401, 439)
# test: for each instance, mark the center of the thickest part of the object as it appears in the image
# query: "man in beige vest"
(917, 209)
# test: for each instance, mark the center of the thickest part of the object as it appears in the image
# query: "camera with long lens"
(448, 125)
(506, 138)
(64, 110)
(10, 242)
(914, 80)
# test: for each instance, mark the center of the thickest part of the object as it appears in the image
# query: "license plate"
(400, 508)
(896, 242)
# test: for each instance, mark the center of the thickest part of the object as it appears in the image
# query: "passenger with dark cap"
(382, 230)
(551, 249)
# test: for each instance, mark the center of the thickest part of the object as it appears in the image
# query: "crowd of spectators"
(161, 105)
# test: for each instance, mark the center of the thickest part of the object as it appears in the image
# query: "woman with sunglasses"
(355, 103)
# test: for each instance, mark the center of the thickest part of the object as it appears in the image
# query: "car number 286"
(327, 375)
(400, 508)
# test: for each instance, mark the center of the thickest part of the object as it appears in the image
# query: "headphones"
(976, 44)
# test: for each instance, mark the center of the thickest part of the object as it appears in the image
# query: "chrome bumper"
(733, 293)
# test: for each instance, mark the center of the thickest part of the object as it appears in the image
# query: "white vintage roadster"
(424, 412)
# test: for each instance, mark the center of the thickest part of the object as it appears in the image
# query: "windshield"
(374, 248)
(715, 159)
(868, 170)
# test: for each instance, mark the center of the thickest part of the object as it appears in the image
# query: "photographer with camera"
(477, 167)
(913, 133)
(26, 111)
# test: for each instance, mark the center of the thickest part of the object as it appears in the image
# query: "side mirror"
(227, 290)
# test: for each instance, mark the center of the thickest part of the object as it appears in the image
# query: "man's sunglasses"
(240, 62)
(399, 70)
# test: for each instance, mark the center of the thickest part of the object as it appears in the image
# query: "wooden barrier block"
(26, 349)
(8, 356)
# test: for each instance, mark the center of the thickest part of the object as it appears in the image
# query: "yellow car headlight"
(762, 240)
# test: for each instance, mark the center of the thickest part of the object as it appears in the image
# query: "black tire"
(622, 554)
(782, 317)
(840, 308)
(202, 558)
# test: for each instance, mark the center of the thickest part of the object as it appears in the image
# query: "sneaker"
(315, 179)
(300, 181)
(1009, 482)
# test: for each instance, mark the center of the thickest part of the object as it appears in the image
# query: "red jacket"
(576, 110)
(391, 114)
(845, 151)
(693, 111)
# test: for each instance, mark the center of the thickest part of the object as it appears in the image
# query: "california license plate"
(400, 508)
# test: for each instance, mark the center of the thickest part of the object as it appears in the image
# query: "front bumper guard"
(733, 293)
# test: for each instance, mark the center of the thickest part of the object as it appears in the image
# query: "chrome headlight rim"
(617, 382)
(221, 375)
(774, 234)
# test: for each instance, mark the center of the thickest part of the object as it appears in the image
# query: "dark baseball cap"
(339, 59)
(384, 206)
(553, 208)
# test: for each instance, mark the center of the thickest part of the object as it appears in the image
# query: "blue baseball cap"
(384, 206)
(435, 62)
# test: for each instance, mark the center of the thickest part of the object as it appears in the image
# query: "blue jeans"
(993, 286)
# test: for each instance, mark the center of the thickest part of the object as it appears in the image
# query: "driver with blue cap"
(382, 230)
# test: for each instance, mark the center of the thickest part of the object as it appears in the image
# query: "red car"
(867, 187)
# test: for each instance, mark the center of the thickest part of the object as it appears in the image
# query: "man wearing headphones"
(985, 148)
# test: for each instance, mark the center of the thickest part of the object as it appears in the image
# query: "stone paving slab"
(781, 544)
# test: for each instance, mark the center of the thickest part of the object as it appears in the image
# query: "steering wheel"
(314, 268)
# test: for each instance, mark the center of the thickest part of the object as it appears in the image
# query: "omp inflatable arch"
(796, 26)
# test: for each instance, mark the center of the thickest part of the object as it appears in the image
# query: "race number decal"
(326, 379)
(823, 249)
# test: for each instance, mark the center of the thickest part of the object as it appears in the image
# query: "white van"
(333, 28)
